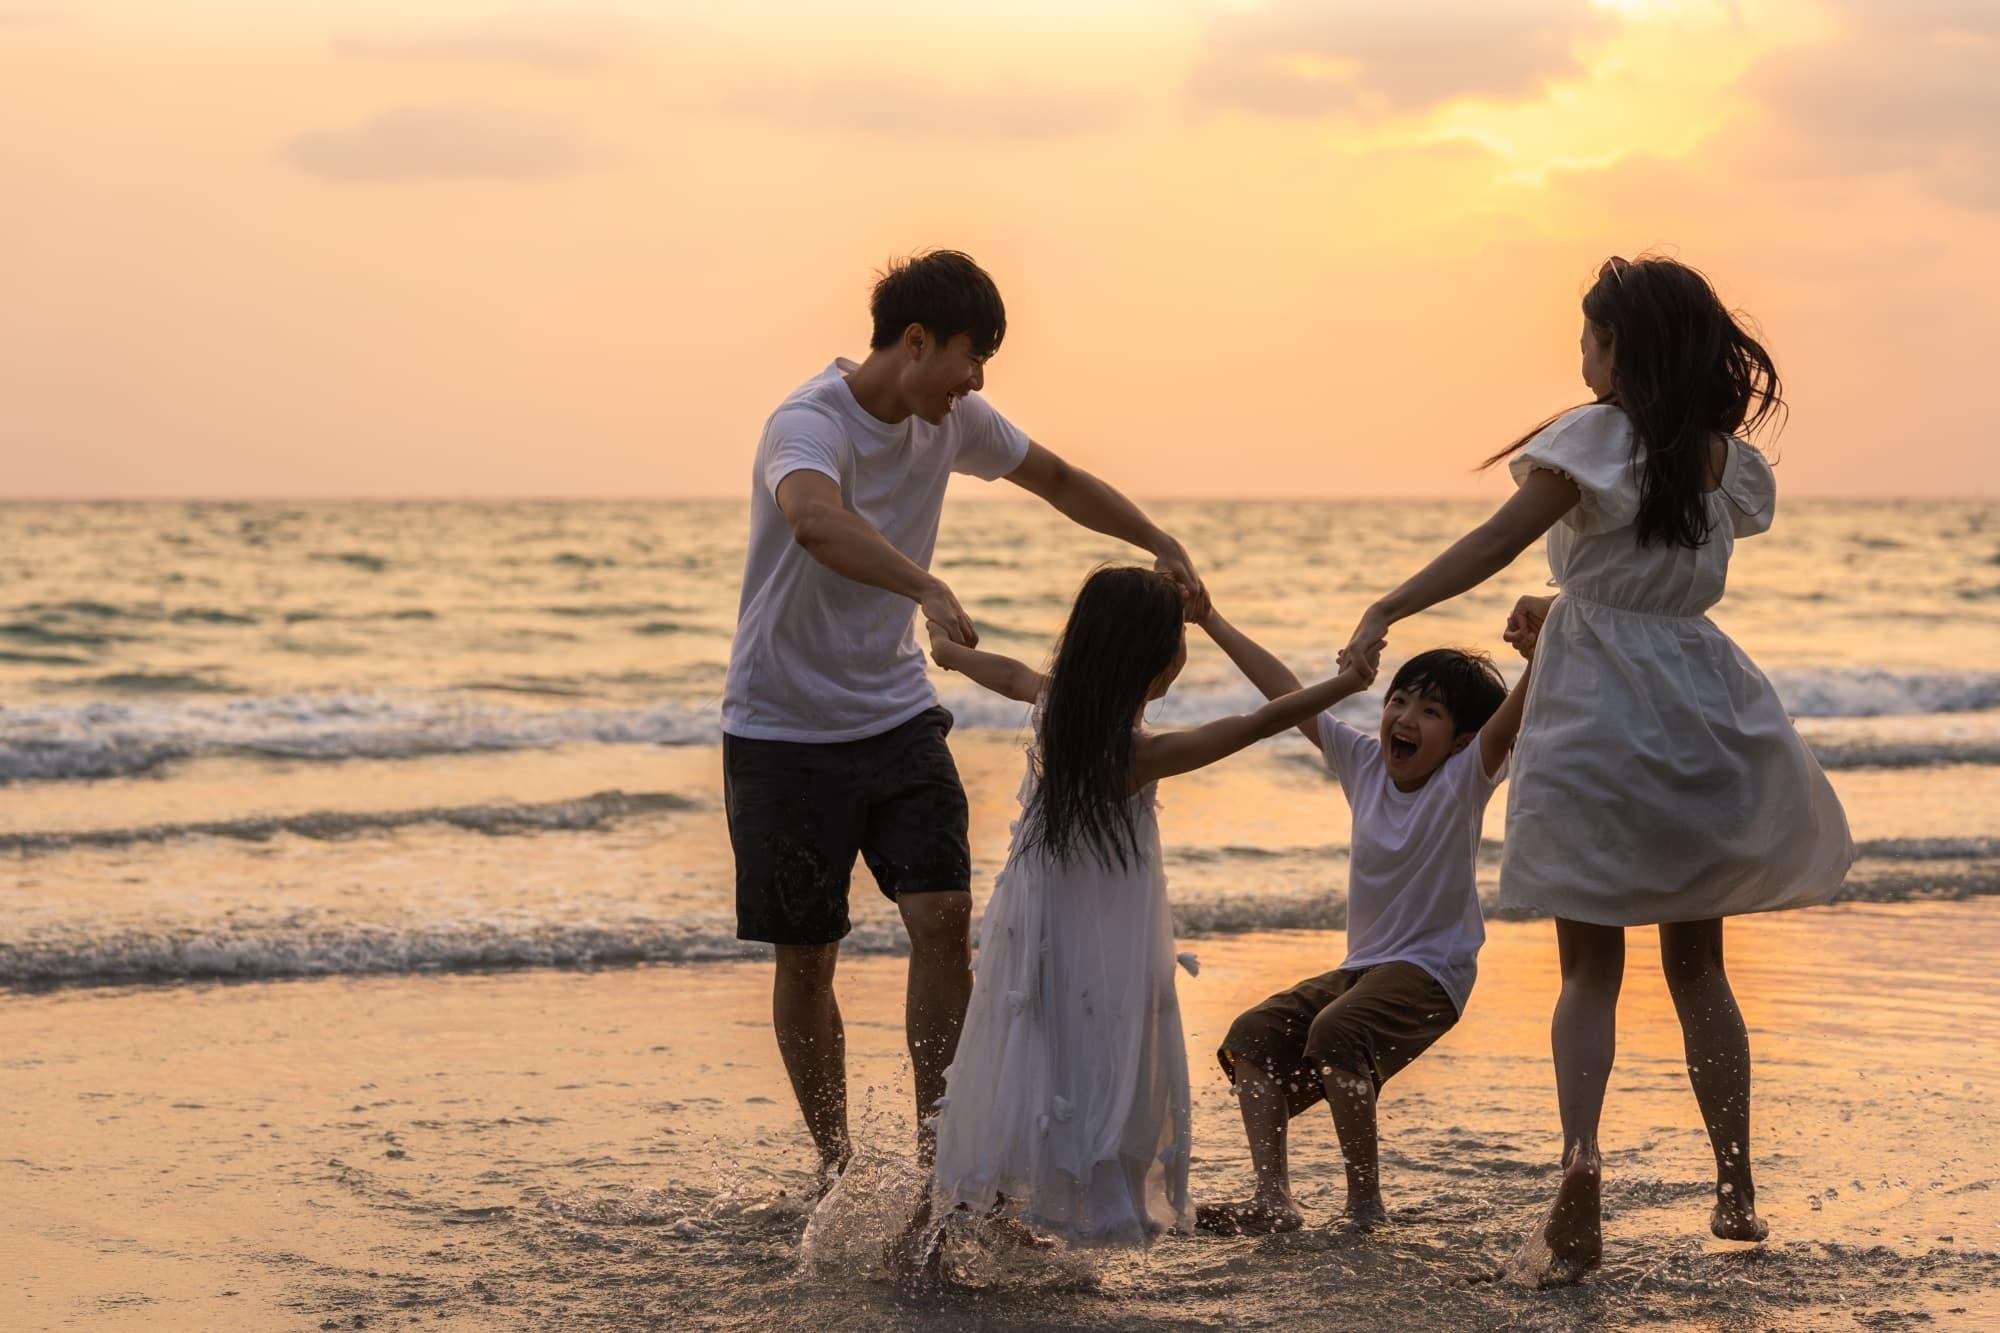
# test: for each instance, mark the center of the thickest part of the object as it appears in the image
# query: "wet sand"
(618, 1149)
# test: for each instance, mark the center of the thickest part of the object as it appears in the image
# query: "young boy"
(1418, 792)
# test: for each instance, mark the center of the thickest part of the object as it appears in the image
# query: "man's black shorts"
(798, 812)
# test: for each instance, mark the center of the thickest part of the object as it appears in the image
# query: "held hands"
(943, 613)
(942, 644)
(1175, 563)
(1365, 645)
(1524, 624)
(1363, 665)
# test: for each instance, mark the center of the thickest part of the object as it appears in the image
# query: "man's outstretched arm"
(1094, 504)
(849, 545)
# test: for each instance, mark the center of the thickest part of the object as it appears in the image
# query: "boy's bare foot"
(1735, 1216)
(1252, 1217)
(1364, 1215)
(1575, 1232)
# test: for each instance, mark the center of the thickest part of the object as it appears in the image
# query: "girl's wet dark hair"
(1122, 633)
(944, 291)
(1684, 369)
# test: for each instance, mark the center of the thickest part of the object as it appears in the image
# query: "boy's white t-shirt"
(818, 657)
(1412, 870)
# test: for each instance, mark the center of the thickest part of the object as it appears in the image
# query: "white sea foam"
(317, 945)
(106, 738)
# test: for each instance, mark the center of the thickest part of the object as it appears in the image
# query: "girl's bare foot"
(1575, 1233)
(1252, 1217)
(1735, 1216)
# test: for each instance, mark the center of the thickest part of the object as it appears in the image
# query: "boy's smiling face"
(1418, 735)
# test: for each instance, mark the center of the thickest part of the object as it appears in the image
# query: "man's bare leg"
(813, 1045)
(1265, 1120)
(940, 985)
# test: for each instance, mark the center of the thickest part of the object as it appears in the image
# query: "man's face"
(939, 374)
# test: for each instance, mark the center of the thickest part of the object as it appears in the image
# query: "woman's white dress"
(1657, 776)
(1068, 1096)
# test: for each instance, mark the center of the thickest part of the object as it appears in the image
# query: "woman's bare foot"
(1735, 1216)
(1575, 1233)
(1252, 1217)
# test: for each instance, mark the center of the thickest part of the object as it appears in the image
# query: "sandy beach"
(618, 1149)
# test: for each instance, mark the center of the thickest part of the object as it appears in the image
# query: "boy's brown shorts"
(1373, 1021)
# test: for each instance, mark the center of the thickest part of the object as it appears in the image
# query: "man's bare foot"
(1252, 1217)
(1364, 1215)
(1735, 1216)
(826, 1177)
(1575, 1233)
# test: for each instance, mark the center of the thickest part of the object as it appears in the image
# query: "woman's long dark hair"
(1122, 633)
(1684, 369)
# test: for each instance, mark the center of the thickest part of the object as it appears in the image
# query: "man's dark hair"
(1466, 683)
(944, 291)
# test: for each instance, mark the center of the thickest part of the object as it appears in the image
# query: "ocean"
(205, 706)
(367, 955)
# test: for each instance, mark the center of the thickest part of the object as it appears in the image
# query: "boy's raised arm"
(1496, 738)
(1002, 675)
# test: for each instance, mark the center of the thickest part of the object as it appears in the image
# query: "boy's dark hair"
(1122, 633)
(1685, 368)
(944, 291)
(1466, 683)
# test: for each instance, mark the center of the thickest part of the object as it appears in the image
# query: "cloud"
(1906, 89)
(442, 143)
(1297, 57)
(554, 41)
(897, 105)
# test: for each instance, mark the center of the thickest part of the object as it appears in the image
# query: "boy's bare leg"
(1352, 1099)
(1265, 1119)
(1718, 1060)
(1584, 1036)
(940, 985)
(813, 1044)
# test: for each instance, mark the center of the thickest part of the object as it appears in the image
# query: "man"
(834, 742)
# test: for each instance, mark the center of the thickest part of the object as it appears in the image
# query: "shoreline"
(617, 1147)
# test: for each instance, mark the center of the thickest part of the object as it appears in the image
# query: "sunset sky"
(319, 248)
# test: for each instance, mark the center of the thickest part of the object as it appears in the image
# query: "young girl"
(1067, 1101)
(1657, 778)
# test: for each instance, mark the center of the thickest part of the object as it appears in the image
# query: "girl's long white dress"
(1657, 777)
(1068, 1097)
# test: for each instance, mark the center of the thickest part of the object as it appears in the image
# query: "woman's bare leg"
(1584, 1037)
(1718, 1060)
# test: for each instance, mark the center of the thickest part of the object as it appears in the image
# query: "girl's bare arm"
(1258, 664)
(1002, 675)
(1173, 752)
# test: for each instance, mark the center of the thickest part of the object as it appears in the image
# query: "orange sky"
(323, 247)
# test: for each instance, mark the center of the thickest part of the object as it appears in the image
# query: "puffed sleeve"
(1592, 446)
(1751, 489)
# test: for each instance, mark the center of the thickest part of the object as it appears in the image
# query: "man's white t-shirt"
(818, 657)
(1412, 870)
